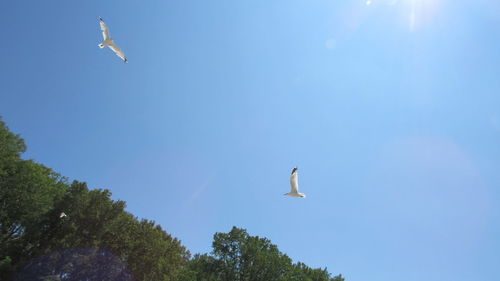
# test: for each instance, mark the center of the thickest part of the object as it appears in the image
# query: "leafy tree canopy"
(237, 256)
(97, 240)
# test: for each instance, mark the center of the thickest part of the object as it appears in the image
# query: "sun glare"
(421, 12)
(416, 13)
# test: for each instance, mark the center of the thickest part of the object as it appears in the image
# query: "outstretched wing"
(118, 51)
(105, 30)
(294, 181)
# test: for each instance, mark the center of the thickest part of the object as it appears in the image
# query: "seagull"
(62, 215)
(294, 192)
(108, 41)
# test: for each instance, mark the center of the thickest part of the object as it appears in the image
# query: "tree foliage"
(98, 240)
(237, 256)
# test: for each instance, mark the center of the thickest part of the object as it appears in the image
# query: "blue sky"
(391, 111)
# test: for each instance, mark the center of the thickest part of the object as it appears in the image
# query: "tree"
(97, 240)
(237, 256)
(27, 192)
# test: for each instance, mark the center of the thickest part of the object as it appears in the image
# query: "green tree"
(237, 256)
(98, 240)
(28, 191)
(101, 241)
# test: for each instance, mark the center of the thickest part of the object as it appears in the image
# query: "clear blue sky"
(390, 109)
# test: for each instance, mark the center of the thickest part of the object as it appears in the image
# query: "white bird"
(294, 192)
(108, 41)
(62, 215)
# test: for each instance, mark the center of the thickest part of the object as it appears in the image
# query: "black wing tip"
(125, 60)
(294, 170)
(101, 19)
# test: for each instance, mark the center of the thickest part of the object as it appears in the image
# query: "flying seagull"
(294, 192)
(62, 215)
(108, 41)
